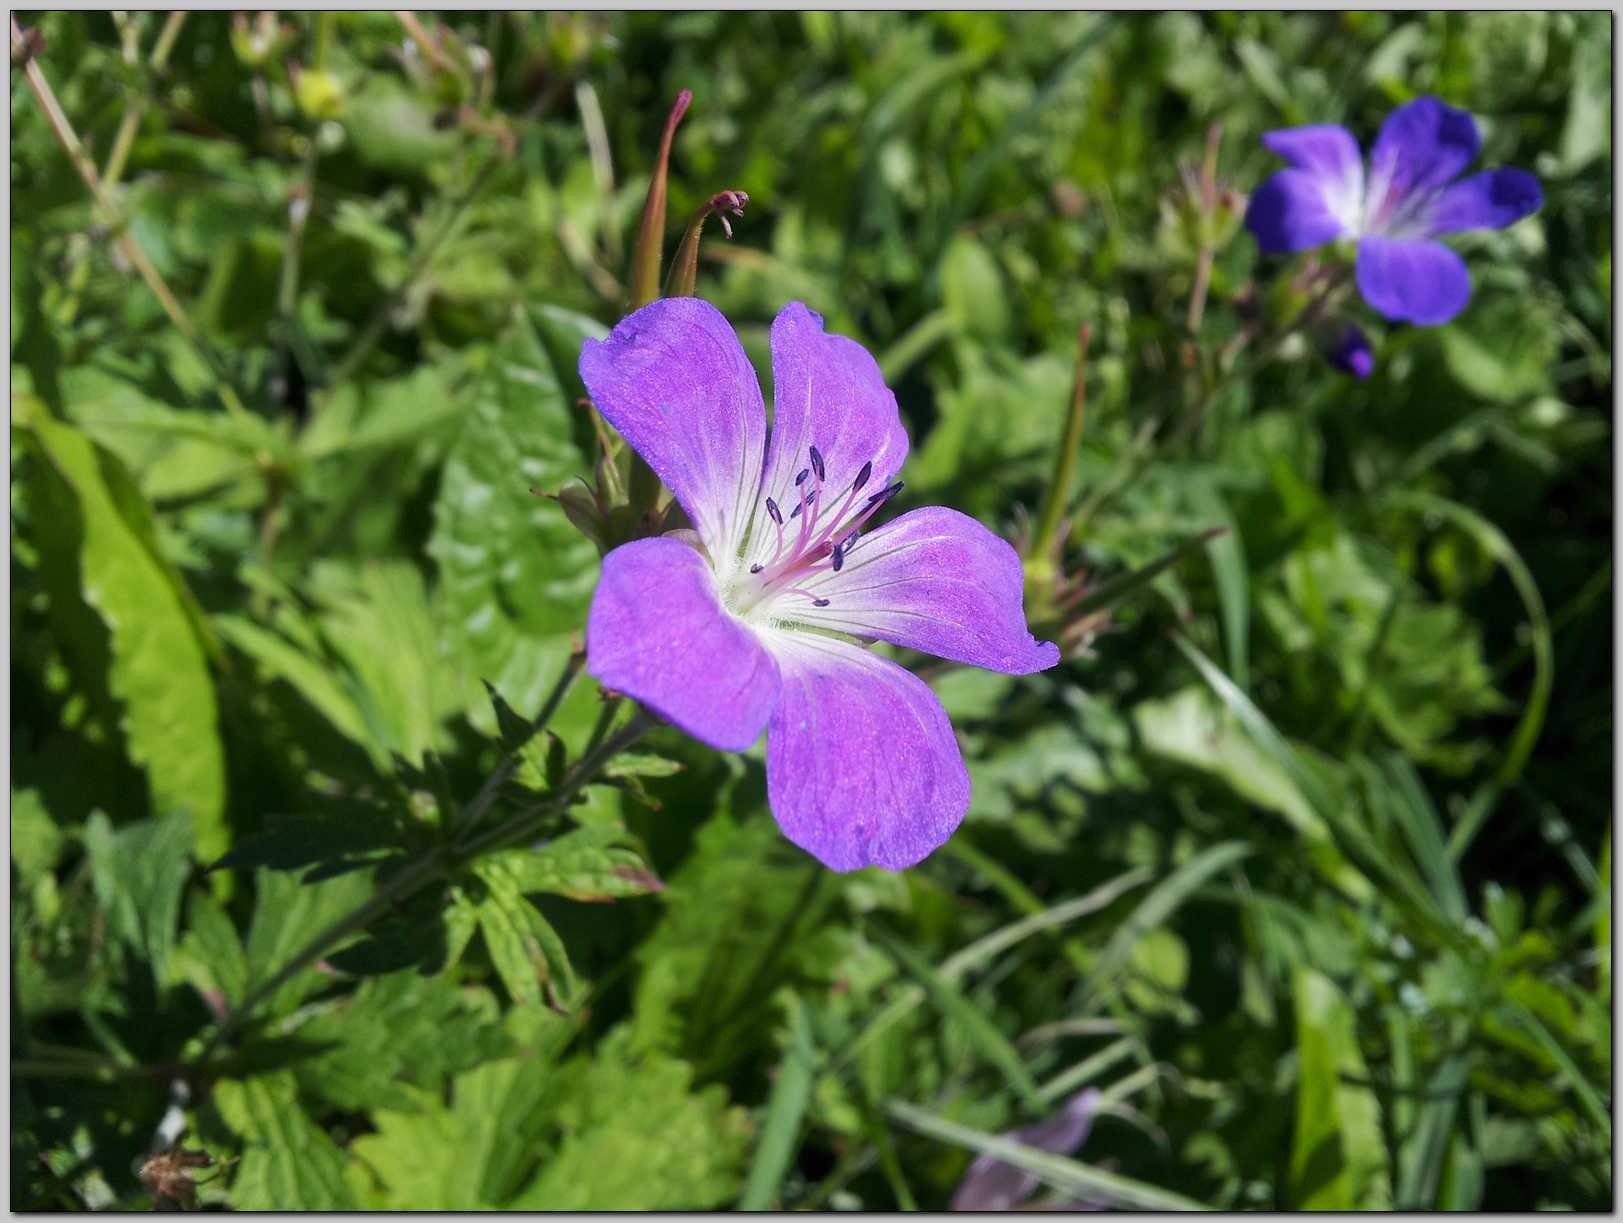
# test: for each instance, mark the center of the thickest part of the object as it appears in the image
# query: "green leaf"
(587, 864)
(294, 843)
(636, 1136)
(1338, 1157)
(287, 916)
(526, 950)
(211, 955)
(973, 289)
(1074, 1179)
(288, 1162)
(159, 668)
(1493, 541)
(311, 678)
(36, 841)
(140, 872)
(515, 576)
(396, 1037)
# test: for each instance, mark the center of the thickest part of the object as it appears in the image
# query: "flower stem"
(1059, 487)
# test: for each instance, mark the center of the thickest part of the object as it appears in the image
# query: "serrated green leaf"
(641, 764)
(288, 1162)
(526, 950)
(211, 955)
(294, 843)
(587, 864)
(515, 577)
(140, 872)
(396, 1036)
(287, 915)
(159, 669)
(635, 1136)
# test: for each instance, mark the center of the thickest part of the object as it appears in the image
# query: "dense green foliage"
(1303, 859)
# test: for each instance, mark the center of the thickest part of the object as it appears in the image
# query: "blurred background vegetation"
(1304, 862)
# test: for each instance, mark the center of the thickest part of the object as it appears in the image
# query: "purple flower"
(1410, 195)
(1352, 353)
(991, 1184)
(751, 619)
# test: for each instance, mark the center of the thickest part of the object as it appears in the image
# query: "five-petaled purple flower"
(751, 620)
(1408, 197)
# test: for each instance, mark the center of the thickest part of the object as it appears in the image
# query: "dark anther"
(810, 497)
(801, 478)
(817, 463)
(862, 477)
(755, 568)
(885, 494)
(839, 557)
(819, 602)
(772, 509)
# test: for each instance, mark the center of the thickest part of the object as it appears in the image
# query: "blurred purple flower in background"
(1352, 353)
(747, 621)
(1410, 195)
(991, 1184)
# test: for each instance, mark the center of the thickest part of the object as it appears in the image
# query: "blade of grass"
(1088, 1069)
(1157, 907)
(1066, 1175)
(980, 1030)
(791, 1092)
(983, 949)
(1584, 1089)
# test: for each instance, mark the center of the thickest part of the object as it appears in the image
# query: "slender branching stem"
(135, 110)
(435, 866)
(62, 128)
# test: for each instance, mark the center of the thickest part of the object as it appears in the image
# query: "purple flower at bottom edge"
(1410, 195)
(992, 1184)
(753, 619)
(1352, 353)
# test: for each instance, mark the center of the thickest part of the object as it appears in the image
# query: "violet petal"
(991, 1184)
(674, 380)
(828, 392)
(1331, 155)
(657, 632)
(1291, 212)
(1421, 146)
(938, 581)
(862, 768)
(1491, 199)
(1413, 281)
